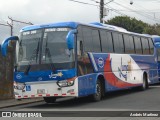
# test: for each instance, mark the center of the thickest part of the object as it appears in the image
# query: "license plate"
(40, 91)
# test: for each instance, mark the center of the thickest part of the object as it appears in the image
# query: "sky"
(49, 11)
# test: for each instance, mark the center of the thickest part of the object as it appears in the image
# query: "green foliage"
(134, 25)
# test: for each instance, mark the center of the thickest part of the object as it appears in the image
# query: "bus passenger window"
(145, 46)
(96, 41)
(138, 46)
(87, 36)
(151, 46)
(118, 43)
(106, 41)
(129, 44)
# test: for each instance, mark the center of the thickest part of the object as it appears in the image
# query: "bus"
(71, 59)
(156, 40)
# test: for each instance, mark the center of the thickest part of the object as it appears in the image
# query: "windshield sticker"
(56, 29)
(30, 32)
(59, 74)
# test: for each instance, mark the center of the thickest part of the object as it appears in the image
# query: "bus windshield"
(28, 47)
(43, 48)
(54, 46)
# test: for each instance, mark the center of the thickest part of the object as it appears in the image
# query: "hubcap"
(98, 90)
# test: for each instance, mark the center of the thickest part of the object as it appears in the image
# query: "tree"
(130, 24)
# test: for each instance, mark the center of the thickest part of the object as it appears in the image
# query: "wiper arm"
(47, 51)
(35, 53)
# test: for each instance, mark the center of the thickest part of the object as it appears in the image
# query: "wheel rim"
(144, 83)
(98, 93)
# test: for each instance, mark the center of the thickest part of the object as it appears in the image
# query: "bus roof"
(74, 25)
(60, 24)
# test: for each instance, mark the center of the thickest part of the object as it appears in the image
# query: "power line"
(147, 15)
(84, 3)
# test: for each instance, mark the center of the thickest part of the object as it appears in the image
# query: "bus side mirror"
(70, 39)
(5, 43)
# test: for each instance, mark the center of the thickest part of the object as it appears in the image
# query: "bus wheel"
(49, 99)
(98, 95)
(145, 83)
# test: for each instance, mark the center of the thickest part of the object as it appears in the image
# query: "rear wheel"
(98, 95)
(49, 99)
(145, 83)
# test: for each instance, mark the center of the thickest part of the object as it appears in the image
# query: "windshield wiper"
(34, 54)
(47, 52)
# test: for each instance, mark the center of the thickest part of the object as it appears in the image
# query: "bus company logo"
(59, 74)
(125, 68)
(100, 62)
(40, 78)
(18, 76)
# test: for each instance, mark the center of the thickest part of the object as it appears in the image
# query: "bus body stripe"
(93, 61)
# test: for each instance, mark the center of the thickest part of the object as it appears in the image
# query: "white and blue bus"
(73, 59)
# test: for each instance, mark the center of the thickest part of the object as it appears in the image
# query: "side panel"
(120, 71)
(86, 84)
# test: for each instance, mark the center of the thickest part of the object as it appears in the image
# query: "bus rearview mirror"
(5, 44)
(70, 39)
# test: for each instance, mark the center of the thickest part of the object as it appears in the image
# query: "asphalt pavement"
(123, 101)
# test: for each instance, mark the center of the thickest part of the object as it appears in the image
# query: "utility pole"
(101, 10)
(11, 24)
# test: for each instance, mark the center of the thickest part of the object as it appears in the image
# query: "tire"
(98, 95)
(49, 99)
(145, 83)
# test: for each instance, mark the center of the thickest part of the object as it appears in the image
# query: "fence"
(7, 63)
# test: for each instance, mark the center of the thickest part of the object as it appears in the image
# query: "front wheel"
(49, 99)
(98, 95)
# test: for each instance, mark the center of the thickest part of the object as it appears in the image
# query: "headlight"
(19, 86)
(65, 83)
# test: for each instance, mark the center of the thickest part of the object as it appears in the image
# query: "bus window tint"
(145, 46)
(118, 43)
(106, 41)
(151, 46)
(129, 44)
(96, 41)
(138, 46)
(79, 41)
(87, 36)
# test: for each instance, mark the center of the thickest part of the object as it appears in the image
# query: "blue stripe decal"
(44, 75)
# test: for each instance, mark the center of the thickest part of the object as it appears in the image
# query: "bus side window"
(87, 37)
(106, 41)
(118, 43)
(138, 44)
(96, 41)
(145, 46)
(79, 48)
(129, 44)
(151, 46)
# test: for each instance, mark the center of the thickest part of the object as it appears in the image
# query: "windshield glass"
(55, 48)
(44, 49)
(28, 47)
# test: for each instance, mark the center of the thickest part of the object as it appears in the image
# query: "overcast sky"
(47, 11)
